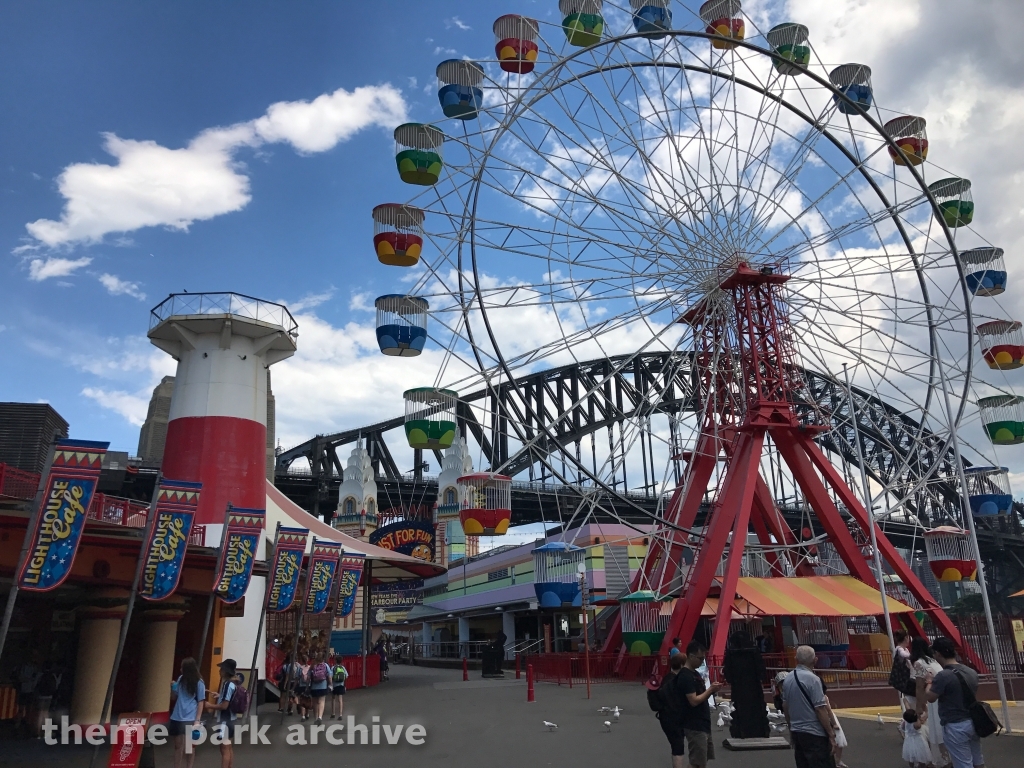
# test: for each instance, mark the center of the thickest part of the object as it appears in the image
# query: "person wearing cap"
(224, 716)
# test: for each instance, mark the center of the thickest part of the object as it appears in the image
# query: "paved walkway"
(490, 724)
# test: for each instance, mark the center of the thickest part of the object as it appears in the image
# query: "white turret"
(456, 463)
(357, 496)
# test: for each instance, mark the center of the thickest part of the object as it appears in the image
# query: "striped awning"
(815, 596)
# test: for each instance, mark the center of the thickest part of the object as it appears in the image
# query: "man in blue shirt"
(810, 726)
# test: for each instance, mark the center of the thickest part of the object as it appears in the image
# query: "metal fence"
(571, 668)
(224, 304)
(17, 483)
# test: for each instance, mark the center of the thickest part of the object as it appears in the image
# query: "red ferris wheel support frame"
(745, 349)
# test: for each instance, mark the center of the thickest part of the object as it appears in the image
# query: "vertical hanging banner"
(323, 564)
(348, 582)
(67, 494)
(176, 504)
(285, 567)
(241, 541)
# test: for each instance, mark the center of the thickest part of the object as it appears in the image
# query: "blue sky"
(279, 205)
(150, 72)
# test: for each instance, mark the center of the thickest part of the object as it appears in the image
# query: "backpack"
(984, 719)
(239, 704)
(340, 675)
(655, 700)
(319, 673)
(899, 676)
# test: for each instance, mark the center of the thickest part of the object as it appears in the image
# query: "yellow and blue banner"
(348, 581)
(176, 504)
(285, 568)
(323, 564)
(241, 542)
(67, 495)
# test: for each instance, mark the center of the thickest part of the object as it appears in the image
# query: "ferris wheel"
(644, 177)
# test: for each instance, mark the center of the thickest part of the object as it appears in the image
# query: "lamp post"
(582, 570)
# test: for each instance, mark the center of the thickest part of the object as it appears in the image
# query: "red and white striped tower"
(217, 431)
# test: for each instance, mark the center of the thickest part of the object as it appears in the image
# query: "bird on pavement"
(615, 713)
(608, 726)
(550, 726)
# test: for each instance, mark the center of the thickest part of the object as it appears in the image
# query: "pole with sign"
(259, 628)
(33, 523)
(213, 590)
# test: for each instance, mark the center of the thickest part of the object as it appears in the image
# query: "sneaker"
(318, 721)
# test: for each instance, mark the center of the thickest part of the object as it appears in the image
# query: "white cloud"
(116, 287)
(440, 49)
(43, 269)
(131, 407)
(152, 185)
(456, 22)
(309, 301)
(359, 302)
(318, 125)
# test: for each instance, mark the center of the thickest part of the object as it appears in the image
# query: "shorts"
(962, 743)
(224, 732)
(811, 750)
(318, 693)
(177, 727)
(676, 738)
(701, 747)
(339, 690)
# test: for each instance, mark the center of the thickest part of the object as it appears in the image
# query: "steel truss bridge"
(898, 452)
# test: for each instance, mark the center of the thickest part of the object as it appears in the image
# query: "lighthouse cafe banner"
(323, 564)
(241, 540)
(67, 494)
(176, 504)
(286, 564)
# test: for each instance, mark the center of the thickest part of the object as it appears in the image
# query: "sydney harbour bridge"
(898, 453)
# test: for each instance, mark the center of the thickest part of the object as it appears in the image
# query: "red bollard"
(517, 667)
(529, 682)
(465, 668)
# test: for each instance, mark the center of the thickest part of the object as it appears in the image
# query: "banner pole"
(140, 564)
(259, 629)
(33, 522)
(367, 633)
(213, 591)
(298, 630)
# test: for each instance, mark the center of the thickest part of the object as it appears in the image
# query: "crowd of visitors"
(938, 725)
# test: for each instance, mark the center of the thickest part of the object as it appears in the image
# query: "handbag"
(984, 719)
(899, 676)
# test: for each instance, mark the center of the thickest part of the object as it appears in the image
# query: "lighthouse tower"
(357, 496)
(456, 463)
(217, 428)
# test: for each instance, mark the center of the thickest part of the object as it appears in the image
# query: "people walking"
(916, 750)
(669, 706)
(807, 713)
(224, 717)
(925, 668)
(188, 695)
(697, 716)
(319, 683)
(302, 698)
(339, 674)
(947, 689)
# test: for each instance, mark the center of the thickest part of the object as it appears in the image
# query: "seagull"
(881, 722)
(608, 726)
(778, 727)
(615, 713)
(605, 710)
(721, 721)
(550, 726)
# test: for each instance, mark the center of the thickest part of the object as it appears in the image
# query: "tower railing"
(224, 303)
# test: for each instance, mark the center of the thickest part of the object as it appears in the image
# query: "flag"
(323, 563)
(348, 582)
(286, 564)
(176, 504)
(240, 542)
(66, 497)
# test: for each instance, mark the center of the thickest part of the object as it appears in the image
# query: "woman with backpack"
(188, 694)
(925, 669)
(319, 682)
(338, 677)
